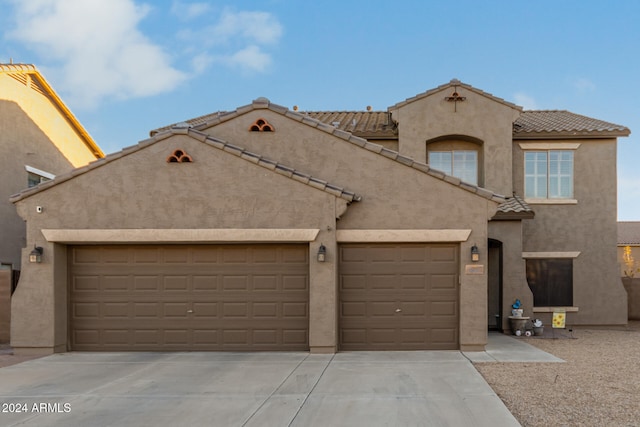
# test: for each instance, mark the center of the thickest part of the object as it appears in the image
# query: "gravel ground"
(599, 385)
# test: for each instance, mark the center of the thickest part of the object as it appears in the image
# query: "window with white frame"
(548, 174)
(37, 176)
(462, 164)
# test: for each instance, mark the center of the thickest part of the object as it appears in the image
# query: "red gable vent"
(261, 125)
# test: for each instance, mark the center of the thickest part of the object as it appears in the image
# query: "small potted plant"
(517, 308)
(538, 328)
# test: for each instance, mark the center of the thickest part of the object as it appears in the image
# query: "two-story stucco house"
(264, 228)
(39, 139)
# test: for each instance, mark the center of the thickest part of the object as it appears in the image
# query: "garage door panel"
(294, 310)
(382, 281)
(393, 296)
(352, 282)
(385, 336)
(265, 283)
(146, 283)
(115, 310)
(175, 255)
(146, 255)
(189, 297)
(115, 283)
(85, 283)
(205, 310)
(444, 253)
(176, 310)
(205, 283)
(444, 308)
(299, 282)
(444, 282)
(175, 283)
(416, 282)
(143, 310)
(178, 337)
(414, 336)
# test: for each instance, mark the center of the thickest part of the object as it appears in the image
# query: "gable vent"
(179, 156)
(261, 125)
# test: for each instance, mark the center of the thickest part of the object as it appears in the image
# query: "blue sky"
(125, 67)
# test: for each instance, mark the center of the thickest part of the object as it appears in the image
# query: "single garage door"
(398, 297)
(181, 298)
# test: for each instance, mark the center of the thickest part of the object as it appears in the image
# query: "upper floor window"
(462, 164)
(548, 174)
(37, 176)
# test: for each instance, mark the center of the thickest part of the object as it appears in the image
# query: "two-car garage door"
(199, 297)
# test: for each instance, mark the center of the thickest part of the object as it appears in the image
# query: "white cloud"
(525, 101)
(235, 39)
(250, 58)
(584, 85)
(188, 11)
(102, 52)
(95, 50)
(257, 27)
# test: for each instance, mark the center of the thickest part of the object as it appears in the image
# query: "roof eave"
(88, 140)
(572, 135)
(512, 216)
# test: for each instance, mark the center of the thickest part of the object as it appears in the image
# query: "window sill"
(553, 309)
(551, 201)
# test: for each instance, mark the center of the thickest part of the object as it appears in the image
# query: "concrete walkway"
(419, 388)
(507, 348)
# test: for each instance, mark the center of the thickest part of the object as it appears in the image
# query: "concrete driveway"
(417, 388)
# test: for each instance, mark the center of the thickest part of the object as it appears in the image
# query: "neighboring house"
(39, 139)
(270, 229)
(629, 235)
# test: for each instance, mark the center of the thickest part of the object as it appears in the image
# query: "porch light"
(322, 253)
(475, 254)
(36, 254)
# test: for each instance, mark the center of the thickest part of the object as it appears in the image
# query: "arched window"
(458, 156)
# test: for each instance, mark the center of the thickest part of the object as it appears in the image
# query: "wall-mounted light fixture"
(475, 253)
(322, 253)
(36, 254)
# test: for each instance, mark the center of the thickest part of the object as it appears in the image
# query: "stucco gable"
(453, 84)
(265, 104)
(274, 166)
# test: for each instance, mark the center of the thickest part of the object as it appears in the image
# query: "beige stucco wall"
(394, 196)
(22, 142)
(588, 227)
(142, 190)
(478, 116)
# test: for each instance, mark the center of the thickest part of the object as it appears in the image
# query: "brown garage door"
(200, 297)
(398, 297)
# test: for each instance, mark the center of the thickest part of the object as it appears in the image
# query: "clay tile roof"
(563, 123)
(514, 208)
(263, 103)
(629, 233)
(365, 124)
(240, 152)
